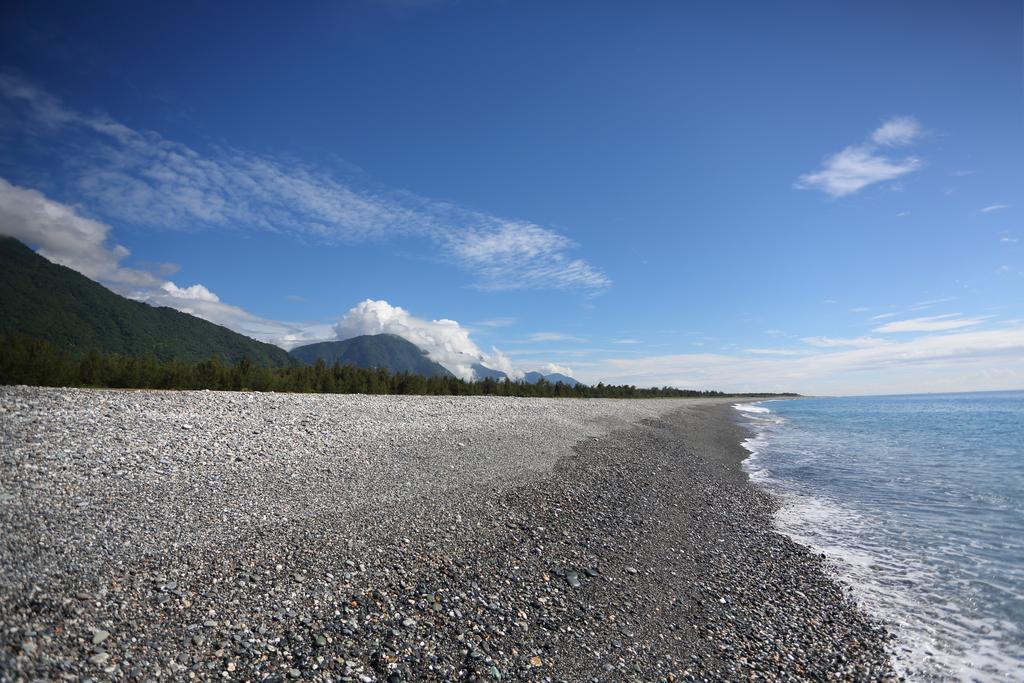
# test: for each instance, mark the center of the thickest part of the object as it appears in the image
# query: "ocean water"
(918, 502)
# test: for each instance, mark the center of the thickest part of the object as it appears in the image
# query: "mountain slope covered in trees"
(50, 302)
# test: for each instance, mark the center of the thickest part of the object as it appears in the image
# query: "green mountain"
(46, 301)
(556, 377)
(373, 351)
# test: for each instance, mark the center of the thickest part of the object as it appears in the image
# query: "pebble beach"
(266, 537)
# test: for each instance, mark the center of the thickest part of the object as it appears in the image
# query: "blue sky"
(818, 197)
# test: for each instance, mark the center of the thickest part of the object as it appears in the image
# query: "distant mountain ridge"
(483, 372)
(50, 302)
(373, 351)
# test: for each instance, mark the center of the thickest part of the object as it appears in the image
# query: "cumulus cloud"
(145, 179)
(859, 166)
(935, 323)
(551, 368)
(194, 292)
(498, 360)
(445, 341)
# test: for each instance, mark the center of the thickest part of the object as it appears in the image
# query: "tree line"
(24, 360)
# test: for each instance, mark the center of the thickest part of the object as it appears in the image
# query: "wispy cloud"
(626, 341)
(776, 352)
(540, 337)
(145, 179)
(883, 316)
(859, 166)
(935, 323)
(939, 362)
(515, 255)
(495, 322)
(994, 207)
(921, 305)
(835, 342)
(897, 131)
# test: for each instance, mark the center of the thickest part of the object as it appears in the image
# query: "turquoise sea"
(918, 502)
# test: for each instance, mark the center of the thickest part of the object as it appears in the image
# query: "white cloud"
(63, 235)
(995, 207)
(858, 166)
(855, 168)
(626, 341)
(194, 292)
(832, 342)
(549, 368)
(498, 360)
(897, 131)
(1006, 239)
(883, 316)
(143, 178)
(935, 323)
(445, 341)
(961, 361)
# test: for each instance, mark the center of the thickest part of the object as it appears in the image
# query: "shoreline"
(639, 551)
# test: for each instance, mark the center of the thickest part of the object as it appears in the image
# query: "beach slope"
(380, 538)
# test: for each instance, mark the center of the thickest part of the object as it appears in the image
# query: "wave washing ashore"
(260, 537)
(918, 501)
